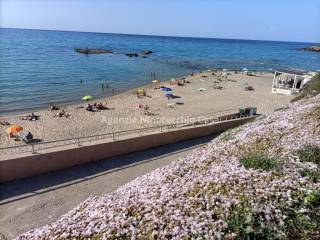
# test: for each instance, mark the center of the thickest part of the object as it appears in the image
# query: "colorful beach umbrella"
(87, 98)
(14, 129)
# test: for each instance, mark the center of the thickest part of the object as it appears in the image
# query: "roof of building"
(294, 72)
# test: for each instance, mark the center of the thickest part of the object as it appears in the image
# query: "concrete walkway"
(36, 201)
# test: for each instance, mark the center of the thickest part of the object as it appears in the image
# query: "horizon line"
(149, 35)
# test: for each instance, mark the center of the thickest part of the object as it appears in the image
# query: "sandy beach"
(123, 107)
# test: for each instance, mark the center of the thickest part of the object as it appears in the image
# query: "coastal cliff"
(258, 181)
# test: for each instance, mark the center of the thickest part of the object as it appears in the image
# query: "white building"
(289, 81)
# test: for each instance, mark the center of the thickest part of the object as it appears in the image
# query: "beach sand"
(123, 107)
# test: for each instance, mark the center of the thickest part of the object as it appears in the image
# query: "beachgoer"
(29, 136)
(53, 107)
(31, 117)
(89, 108)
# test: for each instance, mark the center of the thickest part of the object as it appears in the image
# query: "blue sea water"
(41, 67)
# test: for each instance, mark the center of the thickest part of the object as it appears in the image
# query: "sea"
(39, 67)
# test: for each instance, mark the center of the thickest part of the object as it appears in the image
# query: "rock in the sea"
(147, 52)
(312, 49)
(132, 54)
(92, 51)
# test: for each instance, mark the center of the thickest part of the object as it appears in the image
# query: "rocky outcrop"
(148, 52)
(132, 54)
(92, 51)
(312, 49)
(143, 54)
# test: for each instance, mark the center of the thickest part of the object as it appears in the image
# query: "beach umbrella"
(140, 90)
(87, 98)
(165, 89)
(14, 129)
(156, 81)
(169, 95)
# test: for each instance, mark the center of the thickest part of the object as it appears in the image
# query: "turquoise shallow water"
(40, 67)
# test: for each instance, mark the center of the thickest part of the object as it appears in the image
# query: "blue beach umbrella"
(165, 89)
(169, 95)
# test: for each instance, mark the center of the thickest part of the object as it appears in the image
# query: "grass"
(248, 224)
(257, 160)
(311, 88)
(309, 153)
(313, 198)
(314, 176)
(227, 136)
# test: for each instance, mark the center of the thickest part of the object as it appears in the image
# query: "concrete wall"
(64, 157)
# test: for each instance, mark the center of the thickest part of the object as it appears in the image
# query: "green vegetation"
(313, 199)
(258, 160)
(311, 88)
(227, 135)
(303, 217)
(247, 224)
(314, 176)
(298, 225)
(309, 153)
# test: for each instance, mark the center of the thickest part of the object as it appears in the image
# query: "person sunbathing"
(28, 137)
(53, 107)
(179, 83)
(100, 106)
(31, 117)
(5, 123)
(62, 113)
(89, 108)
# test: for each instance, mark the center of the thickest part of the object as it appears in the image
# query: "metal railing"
(203, 119)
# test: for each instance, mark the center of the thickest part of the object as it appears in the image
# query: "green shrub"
(309, 153)
(260, 161)
(311, 88)
(314, 176)
(313, 198)
(298, 225)
(227, 136)
(247, 224)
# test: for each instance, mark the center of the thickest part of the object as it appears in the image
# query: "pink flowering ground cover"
(210, 194)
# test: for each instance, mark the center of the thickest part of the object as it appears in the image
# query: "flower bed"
(209, 194)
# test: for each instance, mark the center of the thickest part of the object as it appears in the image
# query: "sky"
(283, 20)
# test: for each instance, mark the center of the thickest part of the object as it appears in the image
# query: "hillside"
(257, 181)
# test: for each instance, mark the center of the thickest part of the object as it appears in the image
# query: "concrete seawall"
(25, 165)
